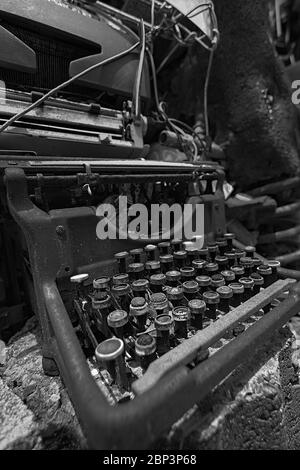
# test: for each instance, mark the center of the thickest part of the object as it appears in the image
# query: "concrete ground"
(257, 407)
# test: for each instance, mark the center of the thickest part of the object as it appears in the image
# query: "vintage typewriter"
(138, 329)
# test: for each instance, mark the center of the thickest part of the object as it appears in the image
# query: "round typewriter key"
(160, 304)
(222, 245)
(173, 278)
(157, 282)
(151, 252)
(176, 297)
(181, 316)
(140, 288)
(192, 255)
(274, 265)
(139, 309)
(266, 272)
(118, 321)
(203, 254)
(248, 284)
(163, 325)
(238, 271)
(229, 237)
(217, 280)
(180, 258)
(225, 294)
(197, 308)
(238, 292)
(222, 262)
(212, 300)
(164, 248)
(211, 269)
(136, 271)
(199, 266)
(166, 263)
(187, 273)
(101, 285)
(212, 251)
(145, 350)
(204, 283)
(248, 265)
(191, 289)
(231, 256)
(153, 267)
(258, 283)
(122, 295)
(137, 255)
(102, 309)
(250, 251)
(257, 262)
(229, 276)
(239, 254)
(122, 259)
(110, 354)
(120, 279)
(176, 245)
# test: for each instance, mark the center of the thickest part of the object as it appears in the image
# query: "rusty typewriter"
(139, 329)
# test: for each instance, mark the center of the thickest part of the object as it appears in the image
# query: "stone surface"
(256, 407)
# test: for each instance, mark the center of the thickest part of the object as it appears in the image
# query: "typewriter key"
(176, 297)
(152, 267)
(145, 350)
(211, 269)
(176, 245)
(164, 248)
(266, 272)
(120, 279)
(217, 280)
(191, 290)
(203, 254)
(110, 354)
(181, 316)
(140, 288)
(225, 294)
(163, 325)
(238, 292)
(157, 283)
(160, 304)
(212, 251)
(229, 237)
(139, 309)
(258, 283)
(151, 252)
(212, 300)
(166, 263)
(238, 271)
(136, 271)
(222, 245)
(204, 283)
(122, 259)
(137, 255)
(187, 273)
(248, 284)
(118, 322)
(199, 266)
(180, 258)
(231, 256)
(173, 278)
(248, 265)
(198, 309)
(274, 265)
(229, 276)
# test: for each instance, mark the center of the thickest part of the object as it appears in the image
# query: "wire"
(14, 118)
(206, 86)
(138, 81)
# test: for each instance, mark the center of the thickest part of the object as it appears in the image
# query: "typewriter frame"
(138, 423)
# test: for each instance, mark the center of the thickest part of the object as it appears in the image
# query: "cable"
(14, 118)
(207, 80)
(138, 82)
